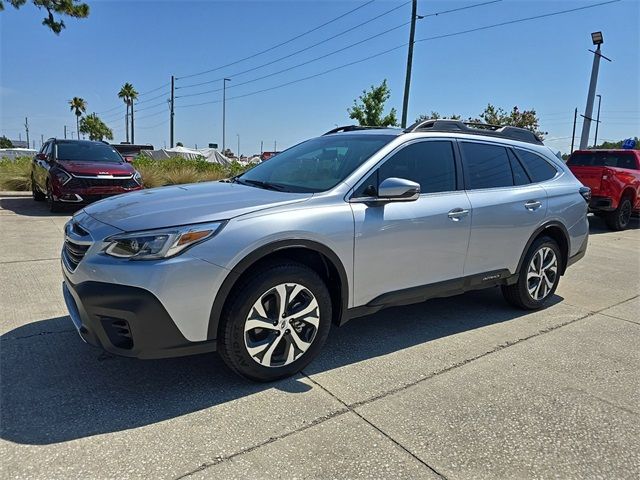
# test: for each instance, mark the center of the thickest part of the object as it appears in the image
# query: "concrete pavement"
(464, 387)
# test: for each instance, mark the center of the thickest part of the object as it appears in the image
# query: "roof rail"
(349, 128)
(501, 131)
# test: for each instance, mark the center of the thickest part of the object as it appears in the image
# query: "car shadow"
(25, 205)
(597, 225)
(54, 388)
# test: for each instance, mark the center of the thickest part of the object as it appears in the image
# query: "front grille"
(77, 182)
(74, 253)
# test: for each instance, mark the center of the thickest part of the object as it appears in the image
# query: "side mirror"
(398, 190)
(41, 156)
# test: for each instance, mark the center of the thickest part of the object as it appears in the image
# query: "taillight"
(586, 193)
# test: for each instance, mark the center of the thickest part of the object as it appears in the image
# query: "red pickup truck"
(614, 179)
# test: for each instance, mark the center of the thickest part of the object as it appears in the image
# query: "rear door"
(403, 245)
(506, 207)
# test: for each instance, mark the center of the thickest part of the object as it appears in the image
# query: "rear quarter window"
(538, 168)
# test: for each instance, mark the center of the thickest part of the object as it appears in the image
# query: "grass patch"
(15, 175)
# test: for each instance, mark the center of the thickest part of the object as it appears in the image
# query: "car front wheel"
(539, 276)
(275, 322)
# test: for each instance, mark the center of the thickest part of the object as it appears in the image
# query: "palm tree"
(128, 94)
(78, 107)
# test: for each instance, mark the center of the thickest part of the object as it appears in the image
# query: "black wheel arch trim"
(241, 267)
(536, 234)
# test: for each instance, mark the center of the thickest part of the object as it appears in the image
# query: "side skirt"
(448, 288)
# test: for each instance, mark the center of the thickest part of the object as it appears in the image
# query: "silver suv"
(258, 267)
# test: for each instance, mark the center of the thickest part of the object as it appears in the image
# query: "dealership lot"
(462, 387)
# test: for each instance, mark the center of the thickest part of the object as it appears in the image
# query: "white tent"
(209, 154)
(13, 153)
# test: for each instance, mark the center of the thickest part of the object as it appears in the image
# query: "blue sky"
(542, 64)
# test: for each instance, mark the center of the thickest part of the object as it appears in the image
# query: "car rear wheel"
(539, 276)
(54, 206)
(37, 195)
(619, 218)
(275, 323)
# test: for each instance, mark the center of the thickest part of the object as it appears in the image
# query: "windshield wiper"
(260, 184)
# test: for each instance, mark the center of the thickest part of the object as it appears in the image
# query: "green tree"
(498, 116)
(436, 116)
(516, 118)
(78, 107)
(613, 145)
(95, 128)
(70, 8)
(5, 142)
(370, 108)
(128, 94)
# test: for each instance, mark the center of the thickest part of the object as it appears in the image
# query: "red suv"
(80, 172)
(614, 179)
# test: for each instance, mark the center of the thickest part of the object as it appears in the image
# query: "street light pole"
(597, 39)
(224, 109)
(238, 135)
(407, 80)
(595, 140)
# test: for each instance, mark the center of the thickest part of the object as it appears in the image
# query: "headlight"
(155, 244)
(137, 177)
(62, 176)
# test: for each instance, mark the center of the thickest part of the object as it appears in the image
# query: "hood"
(186, 204)
(98, 168)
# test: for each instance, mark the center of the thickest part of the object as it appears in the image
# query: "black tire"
(37, 195)
(619, 218)
(54, 207)
(518, 294)
(232, 339)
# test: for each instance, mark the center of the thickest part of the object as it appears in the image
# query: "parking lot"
(464, 387)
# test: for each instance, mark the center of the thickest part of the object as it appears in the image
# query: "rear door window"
(520, 176)
(486, 166)
(538, 168)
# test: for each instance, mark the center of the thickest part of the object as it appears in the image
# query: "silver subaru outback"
(260, 266)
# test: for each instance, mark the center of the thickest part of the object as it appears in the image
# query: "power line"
(152, 115)
(139, 95)
(334, 52)
(348, 30)
(166, 84)
(155, 126)
(279, 44)
(164, 102)
(401, 46)
(510, 22)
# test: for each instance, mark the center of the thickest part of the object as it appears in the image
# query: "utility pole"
(126, 125)
(261, 147)
(224, 107)
(238, 135)
(132, 129)
(275, 149)
(26, 127)
(65, 132)
(597, 39)
(595, 140)
(171, 113)
(407, 81)
(41, 140)
(573, 135)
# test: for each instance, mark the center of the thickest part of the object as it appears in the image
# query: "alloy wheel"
(625, 214)
(542, 273)
(281, 325)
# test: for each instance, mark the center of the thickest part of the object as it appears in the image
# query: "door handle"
(457, 213)
(532, 205)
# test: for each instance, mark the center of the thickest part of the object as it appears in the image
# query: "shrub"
(15, 174)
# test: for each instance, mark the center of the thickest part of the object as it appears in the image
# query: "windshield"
(316, 165)
(87, 152)
(602, 159)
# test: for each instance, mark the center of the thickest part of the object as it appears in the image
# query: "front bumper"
(128, 321)
(84, 196)
(601, 204)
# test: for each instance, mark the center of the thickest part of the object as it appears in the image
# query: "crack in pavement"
(351, 407)
(29, 260)
(37, 335)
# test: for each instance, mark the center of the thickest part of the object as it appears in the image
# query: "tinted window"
(486, 166)
(520, 177)
(539, 169)
(86, 152)
(316, 165)
(431, 164)
(602, 159)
